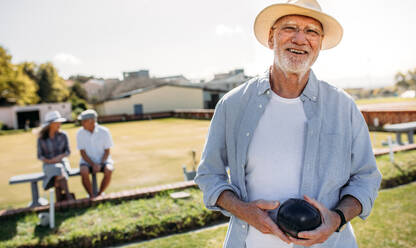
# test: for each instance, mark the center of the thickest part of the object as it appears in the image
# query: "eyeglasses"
(311, 33)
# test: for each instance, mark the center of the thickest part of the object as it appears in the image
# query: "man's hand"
(254, 213)
(330, 223)
(96, 168)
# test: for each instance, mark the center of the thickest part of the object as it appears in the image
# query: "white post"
(376, 123)
(390, 149)
(51, 208)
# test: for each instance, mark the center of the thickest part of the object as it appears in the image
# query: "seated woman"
(53, 148)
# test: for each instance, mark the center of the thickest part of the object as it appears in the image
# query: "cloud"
(66, 58)
(225, 30)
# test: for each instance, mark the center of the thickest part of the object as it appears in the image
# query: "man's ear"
(270, 41)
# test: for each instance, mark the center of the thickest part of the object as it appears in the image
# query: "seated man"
(94, 143)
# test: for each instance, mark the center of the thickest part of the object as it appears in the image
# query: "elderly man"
(94, 142)
(287, 134)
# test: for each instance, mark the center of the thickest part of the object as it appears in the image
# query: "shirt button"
(248, 134)
(260, 106)
(314, 98)
(268, 92)
(243, 226)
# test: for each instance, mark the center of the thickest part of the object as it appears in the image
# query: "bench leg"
(410, 137)
(35, 194)
(399, 138)
(94, 184)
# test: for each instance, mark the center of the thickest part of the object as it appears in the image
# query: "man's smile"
(296, 51)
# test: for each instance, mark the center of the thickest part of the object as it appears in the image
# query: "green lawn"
(116, 221)
(122, 220)
(146, 153)
(378, 137)
(392, 223)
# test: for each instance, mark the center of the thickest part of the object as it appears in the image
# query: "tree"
(15, 86)
(80, 78)
(407, 80)
(51, 86)
(78, 98)
(30, 68)
(77, 90)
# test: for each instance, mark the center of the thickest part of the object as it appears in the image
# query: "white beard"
(289, 64)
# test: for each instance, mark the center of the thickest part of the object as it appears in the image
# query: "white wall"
(165, 98)
(63, 108)
(8, 115)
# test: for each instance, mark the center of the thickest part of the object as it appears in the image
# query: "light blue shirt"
(338, 156)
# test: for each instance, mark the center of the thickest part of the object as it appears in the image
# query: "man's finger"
(309, 234)
(267, 205)
(314, 203)
(276, 231)
(301, 241)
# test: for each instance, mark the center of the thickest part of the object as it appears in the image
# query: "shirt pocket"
(332, 162)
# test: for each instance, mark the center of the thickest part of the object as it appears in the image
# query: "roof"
(142, 90)
(235, 78)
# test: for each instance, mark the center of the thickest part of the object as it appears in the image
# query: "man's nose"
(299, 38)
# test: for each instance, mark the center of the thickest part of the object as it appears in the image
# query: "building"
(161, 98)
(92, 87)
(100, 89)
(227, 81)
(177, 79)
(17, 117)
(136, 74)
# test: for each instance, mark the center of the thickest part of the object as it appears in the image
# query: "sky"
(199, 38)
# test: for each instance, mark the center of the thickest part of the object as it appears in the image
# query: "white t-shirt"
(94, 143)
(275, 157)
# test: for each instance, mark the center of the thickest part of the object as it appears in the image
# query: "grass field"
(392, 224)
(115, 221)
(145, 153)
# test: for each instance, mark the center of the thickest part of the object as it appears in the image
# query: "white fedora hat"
(52, 116)
(267, 17)
(87, 114)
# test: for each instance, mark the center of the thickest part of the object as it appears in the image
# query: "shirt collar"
(263, 83)
(310, 91)
(311, 88)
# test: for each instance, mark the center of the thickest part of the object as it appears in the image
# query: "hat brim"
(80, 118)
(267, 17)
(61, 119)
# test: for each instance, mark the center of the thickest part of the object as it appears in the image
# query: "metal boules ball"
(297, 215)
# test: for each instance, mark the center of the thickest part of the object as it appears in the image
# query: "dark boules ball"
(297, 215)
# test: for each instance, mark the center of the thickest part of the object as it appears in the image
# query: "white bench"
(406, 127)
(35, 177)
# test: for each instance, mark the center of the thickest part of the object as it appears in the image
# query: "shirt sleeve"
(365, 177)
(40, 150)
(80, 143)
(67, 148)
(212, 177)
(108, 143)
